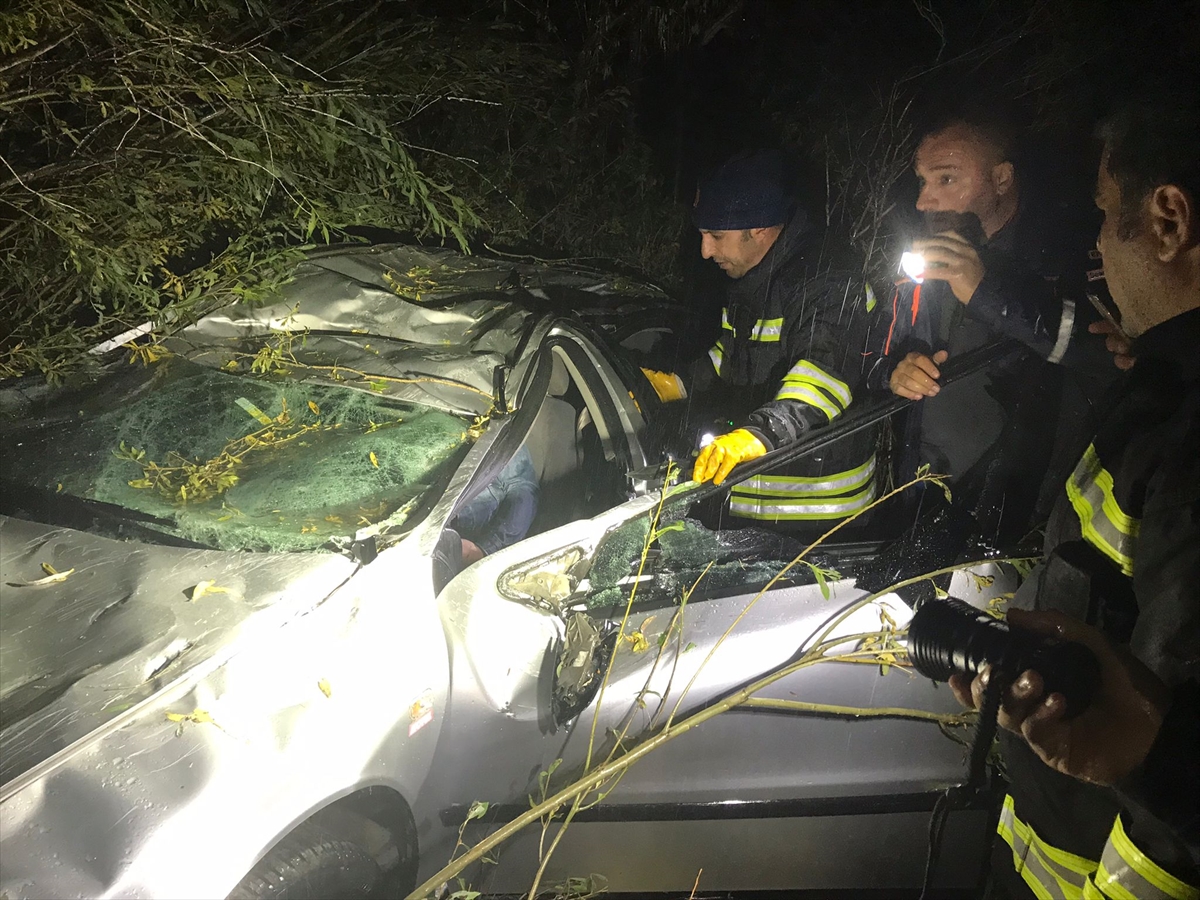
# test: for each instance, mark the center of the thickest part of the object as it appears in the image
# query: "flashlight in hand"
(913, 265)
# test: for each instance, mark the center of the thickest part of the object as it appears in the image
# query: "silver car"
(239, 655)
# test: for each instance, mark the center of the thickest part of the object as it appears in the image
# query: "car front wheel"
(310, 864)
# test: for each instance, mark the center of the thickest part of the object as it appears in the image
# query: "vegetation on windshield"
(236, 463)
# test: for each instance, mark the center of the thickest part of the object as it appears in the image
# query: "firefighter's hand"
(1106, 741)
(916, 375)
(667, 385)
(718, 458)
(953, 260)
(1117, 342)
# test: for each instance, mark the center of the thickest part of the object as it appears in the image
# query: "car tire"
(310, 864)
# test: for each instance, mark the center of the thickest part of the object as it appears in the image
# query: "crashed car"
(236, 660)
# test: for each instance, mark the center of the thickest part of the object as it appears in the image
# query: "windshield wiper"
(54, 508)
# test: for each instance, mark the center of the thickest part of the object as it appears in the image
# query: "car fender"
(186, 797)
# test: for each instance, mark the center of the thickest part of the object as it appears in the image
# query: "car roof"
(436, 313)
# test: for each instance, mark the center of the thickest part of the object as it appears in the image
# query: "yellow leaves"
(308, 529)
(204, 588)
(374, 459)
(637, 639)
(196, 717)
(883, 648)
(146, 353)
(173, 283)
(638, 642)
(316, 410)
(130, 453)
(53, 576)
(323, 684)
(334, 520)
(184, 480)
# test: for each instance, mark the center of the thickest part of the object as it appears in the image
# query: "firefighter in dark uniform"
(1026, 276)
(789, 358)
(1105, 805)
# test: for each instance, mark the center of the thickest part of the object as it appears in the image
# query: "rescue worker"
(1027, 279)
(1105, 805)
(789, 359)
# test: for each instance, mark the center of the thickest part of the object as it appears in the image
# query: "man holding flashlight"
(1106, 804)
(1017, 277)
(789, 359)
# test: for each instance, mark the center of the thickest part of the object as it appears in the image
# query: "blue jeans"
(503, 511)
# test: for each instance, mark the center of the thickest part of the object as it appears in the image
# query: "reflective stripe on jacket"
(793, 333)
(799, 498)
(1123, 872)
(1104, 524)
(1123, 555)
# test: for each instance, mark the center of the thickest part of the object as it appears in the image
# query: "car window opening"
(577, 476)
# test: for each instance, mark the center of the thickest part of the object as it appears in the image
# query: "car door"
(582, 431)
(752, 778)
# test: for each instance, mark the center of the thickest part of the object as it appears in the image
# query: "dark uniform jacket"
(1038, 276)
(793, 333)
(1123, 550)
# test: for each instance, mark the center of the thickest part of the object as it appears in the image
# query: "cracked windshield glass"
(231, 462)
(682, 552)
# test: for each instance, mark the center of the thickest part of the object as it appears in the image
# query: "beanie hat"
(746, 192)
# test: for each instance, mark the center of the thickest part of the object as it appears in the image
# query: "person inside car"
(501, 514)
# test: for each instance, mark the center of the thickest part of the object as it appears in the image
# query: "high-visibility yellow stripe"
(1109, 887)
(806, 485)
(767, 330)
(1141, 877)
(812, 396)
(1051, 873)
(796, 497)
(808, 372)
(763, 329)
(717, 354)
(1103, 523)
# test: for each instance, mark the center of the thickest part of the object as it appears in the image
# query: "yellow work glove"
(718, 458)
(667, 385)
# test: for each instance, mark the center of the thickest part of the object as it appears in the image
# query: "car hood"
(120, 622)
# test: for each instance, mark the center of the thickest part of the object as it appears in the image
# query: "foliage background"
(158, 158)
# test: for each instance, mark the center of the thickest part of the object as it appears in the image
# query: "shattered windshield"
(686, 552)
(232, 462)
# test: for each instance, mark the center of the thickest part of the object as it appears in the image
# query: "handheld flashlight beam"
(913, 265)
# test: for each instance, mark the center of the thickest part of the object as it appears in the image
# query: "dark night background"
(174, 152)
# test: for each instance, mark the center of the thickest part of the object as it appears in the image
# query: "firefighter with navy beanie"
(790, 354)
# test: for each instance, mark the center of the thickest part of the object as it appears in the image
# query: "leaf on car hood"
(205, 587)
(53, 576)
(197, 716)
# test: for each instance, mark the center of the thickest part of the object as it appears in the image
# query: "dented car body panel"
(170, 711)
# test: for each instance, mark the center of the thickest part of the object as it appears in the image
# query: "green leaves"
(165, 150)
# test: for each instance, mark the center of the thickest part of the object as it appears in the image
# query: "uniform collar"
(1175, 341)
(790, 239)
